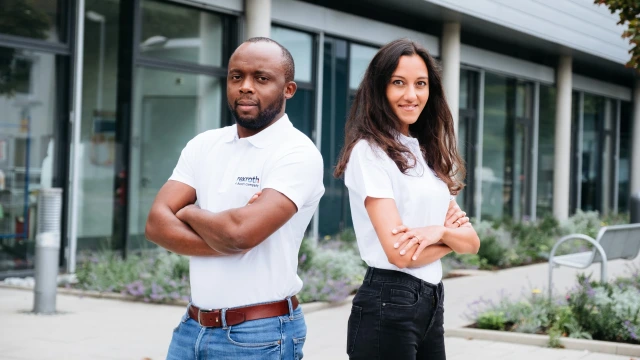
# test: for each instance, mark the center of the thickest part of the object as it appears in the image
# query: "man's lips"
(245, 105)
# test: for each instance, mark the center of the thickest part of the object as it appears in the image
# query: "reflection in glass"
(592, 124)
(494, 148)
(300, 110)
(34, 19)
(467, 133)
(300, 45)
(359, 58)
(170, 108)
(29, 138)
(546, 148)
(98, 130)
(334, 101)
(624, 188)
(181, 33)
(505, 144)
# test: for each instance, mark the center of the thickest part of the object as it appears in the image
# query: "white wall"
(577, 24)
(316, 18)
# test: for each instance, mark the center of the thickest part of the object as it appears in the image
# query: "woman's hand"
(423, 237)
(455, 217)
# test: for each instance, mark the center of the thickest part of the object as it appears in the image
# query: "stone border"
(308, 308)
(543, 340)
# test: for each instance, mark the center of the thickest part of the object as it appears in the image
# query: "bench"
(613, 242)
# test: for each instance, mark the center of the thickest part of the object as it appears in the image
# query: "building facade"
(98, 97)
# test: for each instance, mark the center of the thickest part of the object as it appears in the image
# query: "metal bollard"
(634, 207)
(47, 250)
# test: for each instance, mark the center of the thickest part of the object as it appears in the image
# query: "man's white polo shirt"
(226, 171)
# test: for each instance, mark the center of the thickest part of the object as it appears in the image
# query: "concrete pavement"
(89, 328)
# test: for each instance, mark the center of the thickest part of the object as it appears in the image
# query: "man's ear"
(290, 89)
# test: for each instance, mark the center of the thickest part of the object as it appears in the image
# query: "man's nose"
(246, 86)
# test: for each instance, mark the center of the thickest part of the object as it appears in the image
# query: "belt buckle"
(200, 311)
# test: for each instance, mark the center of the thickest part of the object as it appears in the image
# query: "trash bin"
(634, 206)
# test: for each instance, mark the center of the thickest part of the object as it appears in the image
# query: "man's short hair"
(289, 66)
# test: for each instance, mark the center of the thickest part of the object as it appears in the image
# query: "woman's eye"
(397, 82)
(422, 83)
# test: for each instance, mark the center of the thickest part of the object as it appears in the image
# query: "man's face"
(256, 86)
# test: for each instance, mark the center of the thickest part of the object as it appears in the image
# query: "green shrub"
(158, 276)
(491, 320)
(334, 272)
(609, 312)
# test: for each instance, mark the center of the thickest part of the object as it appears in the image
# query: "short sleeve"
(297, 174)
(184, 171)
(366, 173)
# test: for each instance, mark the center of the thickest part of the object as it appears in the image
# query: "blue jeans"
(280, 337)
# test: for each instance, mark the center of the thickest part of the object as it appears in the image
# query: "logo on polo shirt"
(248, 181)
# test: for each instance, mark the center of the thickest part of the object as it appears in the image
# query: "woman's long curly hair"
(371, 118)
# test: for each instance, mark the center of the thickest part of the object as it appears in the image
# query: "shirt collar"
(264, 138)
(406, 140)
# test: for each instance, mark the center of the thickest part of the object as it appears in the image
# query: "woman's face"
(408, 90)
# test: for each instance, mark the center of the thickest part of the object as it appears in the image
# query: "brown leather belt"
(235, 316)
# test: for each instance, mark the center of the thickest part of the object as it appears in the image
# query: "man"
(243, 247)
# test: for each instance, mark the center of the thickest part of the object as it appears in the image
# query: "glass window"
(98, 130)
(30, 146)
(494, 147)
(359, 58)
(332, 215)
(624, 167)
(158, 139)
(181, 33)
(590, 174)
(300, 110)
(300, 45)
(40, 20)
(546, 149)
(505, 144)
(467, 134)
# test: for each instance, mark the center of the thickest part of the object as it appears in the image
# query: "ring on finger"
(458, 222)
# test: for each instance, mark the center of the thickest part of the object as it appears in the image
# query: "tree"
(629, 12)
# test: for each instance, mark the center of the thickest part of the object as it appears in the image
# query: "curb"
(468, 272)
(598, 346)
(308, 308)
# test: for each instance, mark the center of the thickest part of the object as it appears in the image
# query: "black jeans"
(396, 316)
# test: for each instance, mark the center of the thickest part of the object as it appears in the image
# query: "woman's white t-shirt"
(421, 197)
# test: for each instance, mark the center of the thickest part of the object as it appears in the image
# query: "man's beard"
(264, 118)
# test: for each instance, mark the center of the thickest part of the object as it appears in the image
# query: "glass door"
(170, 109)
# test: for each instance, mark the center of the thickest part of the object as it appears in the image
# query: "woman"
(401, 164)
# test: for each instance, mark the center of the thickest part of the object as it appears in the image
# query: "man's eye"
(262, 78)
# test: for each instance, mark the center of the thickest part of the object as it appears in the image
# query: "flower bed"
(608, 312)
(330, 271)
